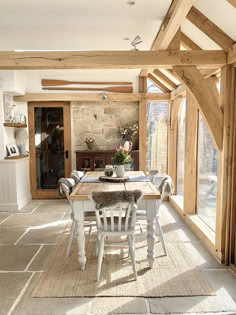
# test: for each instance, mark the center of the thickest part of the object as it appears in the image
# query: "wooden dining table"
(82, 204)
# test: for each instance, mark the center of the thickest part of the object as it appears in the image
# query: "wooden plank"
(207, 100)
(172, 146)
(232, 2)
(143, 84)
(222, 215)
(15, 125)
(158, 83)
(210, 29)
(190, 155)
(17, 157)
(93, 97)
(165, 79)
(206, 73)
(31, 60)
(188, 44)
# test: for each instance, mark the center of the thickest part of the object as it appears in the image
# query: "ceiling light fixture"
(130, 2)
(135, 42)
(103, 96)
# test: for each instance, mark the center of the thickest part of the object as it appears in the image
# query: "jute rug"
(173, 275)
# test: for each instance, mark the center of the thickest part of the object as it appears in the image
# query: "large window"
(156, 133)
(181, 149)
(207, 176)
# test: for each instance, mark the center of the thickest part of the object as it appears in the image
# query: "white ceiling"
(79, 24)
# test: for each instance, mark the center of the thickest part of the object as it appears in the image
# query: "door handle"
(67, 154)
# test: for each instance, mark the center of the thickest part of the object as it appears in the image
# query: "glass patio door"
(49, 146)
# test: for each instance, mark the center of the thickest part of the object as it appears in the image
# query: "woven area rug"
(173, 275)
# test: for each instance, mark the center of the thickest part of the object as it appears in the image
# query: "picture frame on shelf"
(22, 119)
(12, 150)
(7, 104)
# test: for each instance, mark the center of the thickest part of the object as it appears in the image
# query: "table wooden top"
(82, 190)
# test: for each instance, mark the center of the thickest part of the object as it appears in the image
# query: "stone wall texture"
(100, 121)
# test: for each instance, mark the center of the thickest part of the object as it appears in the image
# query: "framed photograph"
(7, 103)
(12, 150)
(22, 119)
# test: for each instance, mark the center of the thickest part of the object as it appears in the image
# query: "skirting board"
(15, 207)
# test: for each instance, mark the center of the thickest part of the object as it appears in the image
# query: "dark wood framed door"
(49, 146)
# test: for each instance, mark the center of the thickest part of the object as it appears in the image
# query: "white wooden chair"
(116, 216)
(88, 216)
(166, 189)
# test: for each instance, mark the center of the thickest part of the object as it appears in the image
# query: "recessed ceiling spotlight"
(126, 38)
(130, 2)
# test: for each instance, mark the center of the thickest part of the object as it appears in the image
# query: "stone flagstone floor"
(27, 238)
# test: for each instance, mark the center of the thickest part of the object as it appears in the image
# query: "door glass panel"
(99, 163)
(49, 146)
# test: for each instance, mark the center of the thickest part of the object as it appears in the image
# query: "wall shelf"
(15, 125)
(17, 157)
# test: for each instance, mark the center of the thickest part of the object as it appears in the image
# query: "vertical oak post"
(142, 125)
(222, 215)
(190, 156)
(172, 138)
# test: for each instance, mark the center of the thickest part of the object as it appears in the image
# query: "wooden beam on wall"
(142, 127)
(93, 97)
(109, 59)
(158, 83)
(171, 24)
(210, 29)
(172, 139)
(190, 156)
(207, 100)
(188, 44)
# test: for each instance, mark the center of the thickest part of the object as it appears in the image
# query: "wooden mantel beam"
(171, 24)
(93, 97)
(208, 101)
(210, 29)
(10, 60)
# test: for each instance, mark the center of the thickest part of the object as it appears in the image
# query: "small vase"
(90, 146)
(120, 170)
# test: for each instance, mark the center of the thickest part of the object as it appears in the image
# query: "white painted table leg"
(79, 216)
(151, 216)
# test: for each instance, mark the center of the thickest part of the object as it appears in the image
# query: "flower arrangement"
(128, 131)
(89, 142)
(121, 156)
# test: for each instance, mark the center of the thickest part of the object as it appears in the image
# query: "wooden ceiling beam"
(93, 97)
(171, 24)
(158, 83)
(188, 44)
(165, 79)
(210, 29)
(32, 60)
(232, 2)
(208, 101)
